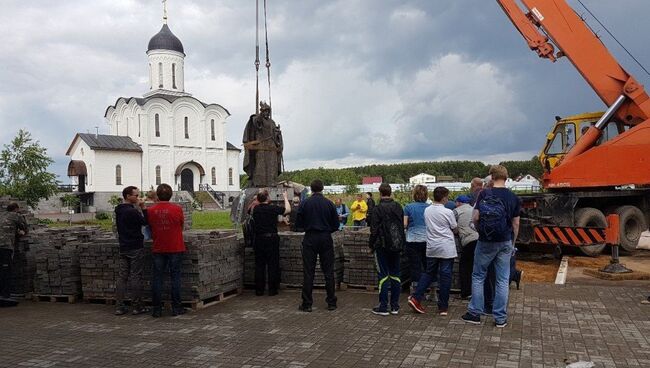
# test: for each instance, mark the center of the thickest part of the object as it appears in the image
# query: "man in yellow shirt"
(359, 210)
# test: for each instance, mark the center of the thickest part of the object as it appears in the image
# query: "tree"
(70, 201)
(23, 170)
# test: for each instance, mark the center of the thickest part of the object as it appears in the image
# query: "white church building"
(165, 136)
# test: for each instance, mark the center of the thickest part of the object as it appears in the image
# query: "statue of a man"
(263, 149)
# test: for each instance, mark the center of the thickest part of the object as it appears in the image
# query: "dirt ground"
(538, 270)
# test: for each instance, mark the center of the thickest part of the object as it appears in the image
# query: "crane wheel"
(591, 217)
(633, 223)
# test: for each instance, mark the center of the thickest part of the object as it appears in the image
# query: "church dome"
(165, 40)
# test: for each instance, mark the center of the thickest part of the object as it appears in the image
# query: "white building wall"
(106, 162)
(233, 162)
(167, 58)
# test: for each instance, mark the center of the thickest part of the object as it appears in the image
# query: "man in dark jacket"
(267, 242)
(387, 240)
(370, 202)
(12, 225)
(317, 215)
(129, 219)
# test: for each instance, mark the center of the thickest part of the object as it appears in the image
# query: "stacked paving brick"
(98, 267)
(212, 265)
(57, 259)
(291, 270)
(24, 267)
(360, 269)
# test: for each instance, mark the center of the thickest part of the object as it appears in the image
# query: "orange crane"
(607, 169)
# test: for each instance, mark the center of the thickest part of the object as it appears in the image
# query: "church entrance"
(82, 183)
(187, 180)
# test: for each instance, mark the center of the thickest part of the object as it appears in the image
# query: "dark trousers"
(443, 268)
(6, 259)
(160, 263)
(267, 255)
(317, 245)
(417, 256)
(130, 267)
(465, 267)
(388, 274)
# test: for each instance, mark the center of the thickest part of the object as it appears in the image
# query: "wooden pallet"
(315, 287)
(204, 303)
(71, 299)
(192, 304)
(345, 286)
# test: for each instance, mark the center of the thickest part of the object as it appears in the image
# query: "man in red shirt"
(166, 222)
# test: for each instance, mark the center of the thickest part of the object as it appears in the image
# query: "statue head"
(265, 109)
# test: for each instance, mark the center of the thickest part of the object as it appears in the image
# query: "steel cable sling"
(257, 56)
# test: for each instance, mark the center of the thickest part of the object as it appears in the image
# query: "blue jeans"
(443, 268)
(388, 273)
(486, 253)
(160, 263)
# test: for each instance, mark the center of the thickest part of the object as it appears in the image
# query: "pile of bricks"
(291, 269)
(57, 259)
(212, 265)
(24, 267)
(98, 267)
(360, 267)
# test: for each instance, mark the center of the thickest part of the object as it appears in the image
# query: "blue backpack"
(493, 218)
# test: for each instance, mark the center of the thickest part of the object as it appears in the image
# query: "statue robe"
(262, 160)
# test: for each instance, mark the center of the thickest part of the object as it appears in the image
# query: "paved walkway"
(548, 325)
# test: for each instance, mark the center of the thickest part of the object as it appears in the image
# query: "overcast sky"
(353, 81)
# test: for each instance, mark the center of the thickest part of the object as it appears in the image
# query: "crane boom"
(573, 38)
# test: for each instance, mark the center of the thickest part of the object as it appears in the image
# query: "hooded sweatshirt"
(129, 221)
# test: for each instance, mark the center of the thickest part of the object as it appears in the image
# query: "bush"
(102, 216)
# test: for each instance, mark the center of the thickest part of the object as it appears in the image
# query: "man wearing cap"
(468, 237)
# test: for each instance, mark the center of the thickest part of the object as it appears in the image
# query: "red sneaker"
(415, 305)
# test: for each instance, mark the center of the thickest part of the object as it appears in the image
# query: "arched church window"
(187, 128)
(214, 176)
(139, 127)
(212, 135)
(157, 123)
(174, 76)
(118, 175)
(150, 76)
(160, 75)
(230, 176)
(158, 176)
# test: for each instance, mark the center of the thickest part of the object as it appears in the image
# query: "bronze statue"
(263, 149)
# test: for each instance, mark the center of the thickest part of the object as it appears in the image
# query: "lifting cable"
(268, 61)
(257, 56)
(614, 37)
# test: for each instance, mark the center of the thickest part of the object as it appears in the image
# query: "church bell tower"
(166, 62)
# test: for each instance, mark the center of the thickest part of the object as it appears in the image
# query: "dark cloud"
(355, 81)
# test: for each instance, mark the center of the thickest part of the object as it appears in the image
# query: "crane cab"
(567, 131)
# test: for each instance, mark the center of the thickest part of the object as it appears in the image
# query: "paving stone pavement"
(548, 324)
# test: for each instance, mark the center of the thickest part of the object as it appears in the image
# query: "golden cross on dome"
(164, 11)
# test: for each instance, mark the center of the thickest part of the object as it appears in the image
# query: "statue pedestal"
(239, 209)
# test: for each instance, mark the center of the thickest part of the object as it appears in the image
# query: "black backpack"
(392, 233)
(493, 218)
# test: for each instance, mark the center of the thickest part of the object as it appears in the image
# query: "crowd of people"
(480, 228)
(485, 223)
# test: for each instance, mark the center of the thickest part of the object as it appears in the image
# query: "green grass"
(104, 224)
(208, 220)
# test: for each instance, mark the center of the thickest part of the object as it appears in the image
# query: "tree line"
(400, 173)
